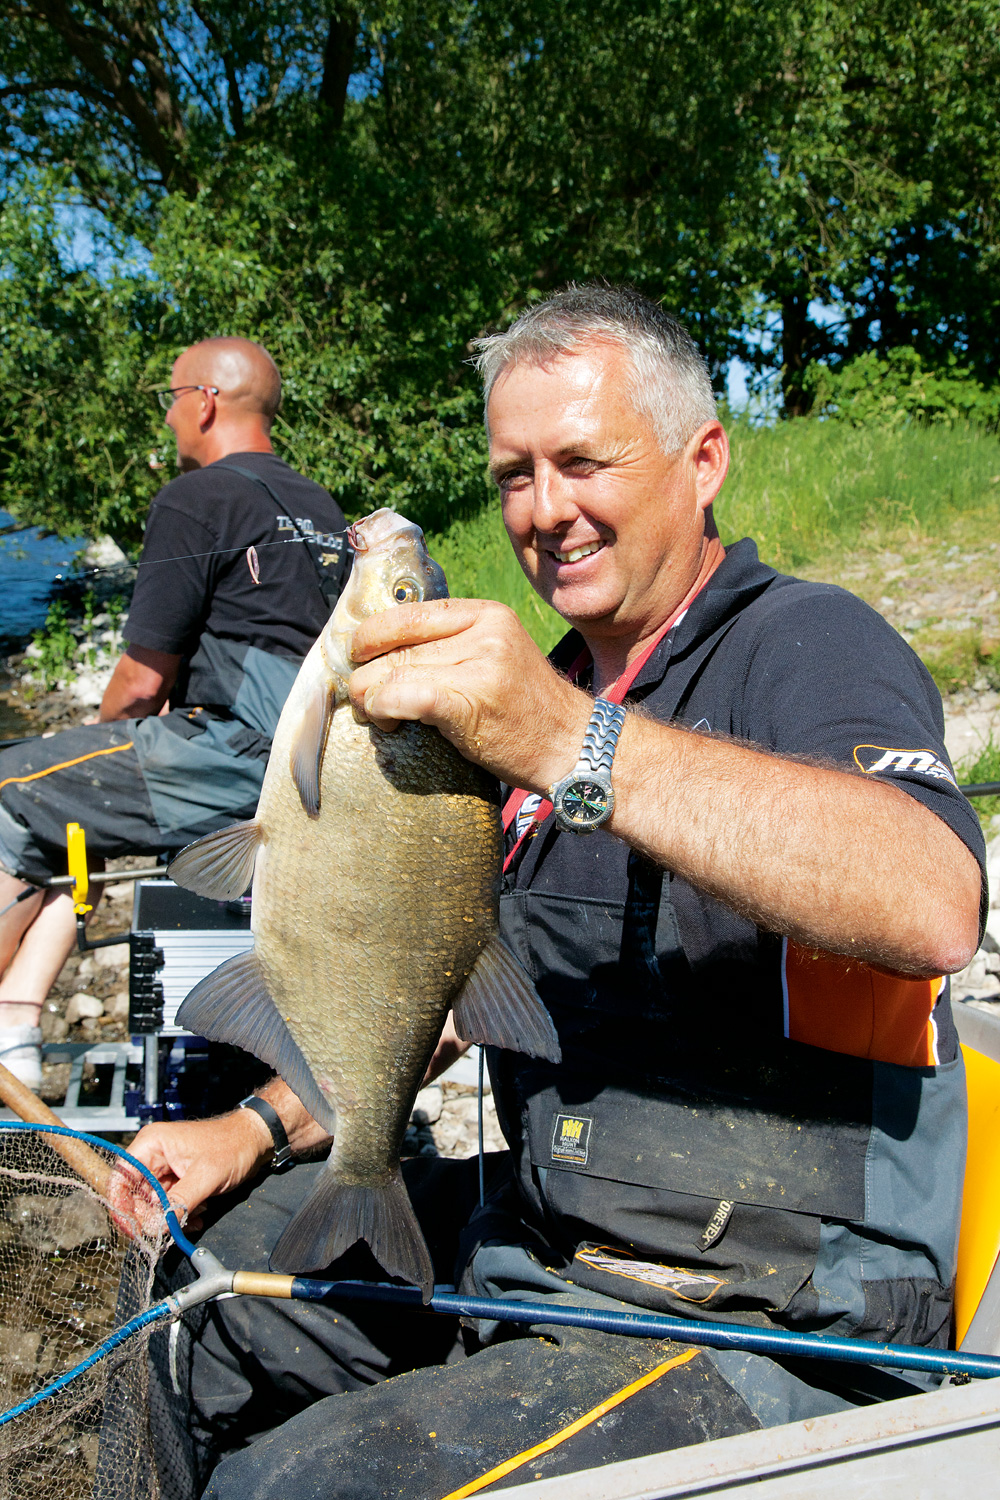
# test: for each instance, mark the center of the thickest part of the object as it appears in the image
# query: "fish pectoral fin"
(221, 864)
(232, 1004)
(499, 1007)
(310, 742)
(336, 1215)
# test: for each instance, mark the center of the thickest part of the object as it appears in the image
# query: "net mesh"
(68, 1279)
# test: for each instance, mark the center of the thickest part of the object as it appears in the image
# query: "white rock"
(104, 553)
(88, 686)
(117, 1006)
(121, 890)
(83, 1007)
(428, 1105)
(87, 968)
(115, 957)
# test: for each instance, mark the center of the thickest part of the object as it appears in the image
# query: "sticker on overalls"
(689, 1286)
(571, 1139)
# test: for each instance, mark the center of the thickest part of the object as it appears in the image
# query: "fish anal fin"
(232, 1004)
(336, 1215)
(220, 865)
(310, 741)
(499, 1007)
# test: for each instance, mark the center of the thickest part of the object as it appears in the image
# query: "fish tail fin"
(338, 1214)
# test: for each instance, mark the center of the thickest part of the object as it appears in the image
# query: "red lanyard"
(614, 694)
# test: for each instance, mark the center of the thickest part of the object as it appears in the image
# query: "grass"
(974, 770)
(804, 488)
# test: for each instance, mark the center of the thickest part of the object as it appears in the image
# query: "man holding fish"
(736, 866)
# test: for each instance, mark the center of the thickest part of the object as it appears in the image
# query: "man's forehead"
(560, 402)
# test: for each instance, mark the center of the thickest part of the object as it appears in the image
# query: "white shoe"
(21, 1053)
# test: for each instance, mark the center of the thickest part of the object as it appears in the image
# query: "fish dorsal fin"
(310, 742)
(221, 864)
(499, 1007)
(233, 1005)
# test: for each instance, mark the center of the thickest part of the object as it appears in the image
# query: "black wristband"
(282, 1150)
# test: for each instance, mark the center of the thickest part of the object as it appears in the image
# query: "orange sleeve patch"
(845, 1006)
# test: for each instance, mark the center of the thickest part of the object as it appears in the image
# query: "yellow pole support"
(76, 856)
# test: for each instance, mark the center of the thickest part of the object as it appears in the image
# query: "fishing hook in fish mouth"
(356, 540)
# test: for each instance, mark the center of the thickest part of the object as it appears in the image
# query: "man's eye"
(406, 591)
(511, 479)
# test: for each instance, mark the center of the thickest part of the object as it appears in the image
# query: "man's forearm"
(140, 684)
(830, 859)
(301, 1129)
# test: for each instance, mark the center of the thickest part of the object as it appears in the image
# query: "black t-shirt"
(194, 577)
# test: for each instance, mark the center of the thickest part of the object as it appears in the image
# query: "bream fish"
(375, 861)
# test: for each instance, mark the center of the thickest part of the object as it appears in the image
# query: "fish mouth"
(380, 527)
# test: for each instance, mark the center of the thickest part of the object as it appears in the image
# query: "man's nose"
(553, 502)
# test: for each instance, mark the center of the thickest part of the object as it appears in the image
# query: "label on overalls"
(571, 1139)
(716, 1226)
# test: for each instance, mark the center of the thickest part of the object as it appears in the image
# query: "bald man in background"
(187, 719)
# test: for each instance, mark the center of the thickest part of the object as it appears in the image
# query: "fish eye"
(406, 591)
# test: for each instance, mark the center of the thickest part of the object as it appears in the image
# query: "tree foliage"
(365, 190)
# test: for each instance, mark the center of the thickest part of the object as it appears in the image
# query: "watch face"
(584, 803)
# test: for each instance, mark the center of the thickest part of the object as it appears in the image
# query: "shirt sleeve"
(173, 587)
(829, 679)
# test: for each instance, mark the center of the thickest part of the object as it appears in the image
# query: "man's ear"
(709, 453)
(207, 411)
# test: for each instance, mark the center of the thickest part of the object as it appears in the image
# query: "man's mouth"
(574, 554)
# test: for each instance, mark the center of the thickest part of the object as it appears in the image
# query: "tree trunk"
(338, 60)
(794, 354)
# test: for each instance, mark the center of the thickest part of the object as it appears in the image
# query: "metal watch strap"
(585, 799)
(600, 740)
(282, 1150)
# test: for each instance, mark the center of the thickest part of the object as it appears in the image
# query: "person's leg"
(45, 945)
(21, 996)
(89, 775)
(17, 918)
(554, 1401)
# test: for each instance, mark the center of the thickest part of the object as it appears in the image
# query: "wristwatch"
(584, 799)
(282, 1150)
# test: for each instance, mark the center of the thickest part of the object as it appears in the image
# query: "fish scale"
(384, 905)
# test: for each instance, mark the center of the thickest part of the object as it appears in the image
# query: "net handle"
(77, 1154)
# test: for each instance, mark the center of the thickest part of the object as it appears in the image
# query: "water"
(29, 564)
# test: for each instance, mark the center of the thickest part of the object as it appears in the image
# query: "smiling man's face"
(608, 527)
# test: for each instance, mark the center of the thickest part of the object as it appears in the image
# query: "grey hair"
(670, 386)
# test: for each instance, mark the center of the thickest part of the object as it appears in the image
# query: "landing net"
(69, 1278)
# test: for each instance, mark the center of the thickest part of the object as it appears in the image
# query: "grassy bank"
(808, 489)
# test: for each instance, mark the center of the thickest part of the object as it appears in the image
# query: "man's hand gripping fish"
(375, 861)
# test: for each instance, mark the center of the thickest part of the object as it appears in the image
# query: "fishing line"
(153, 562)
